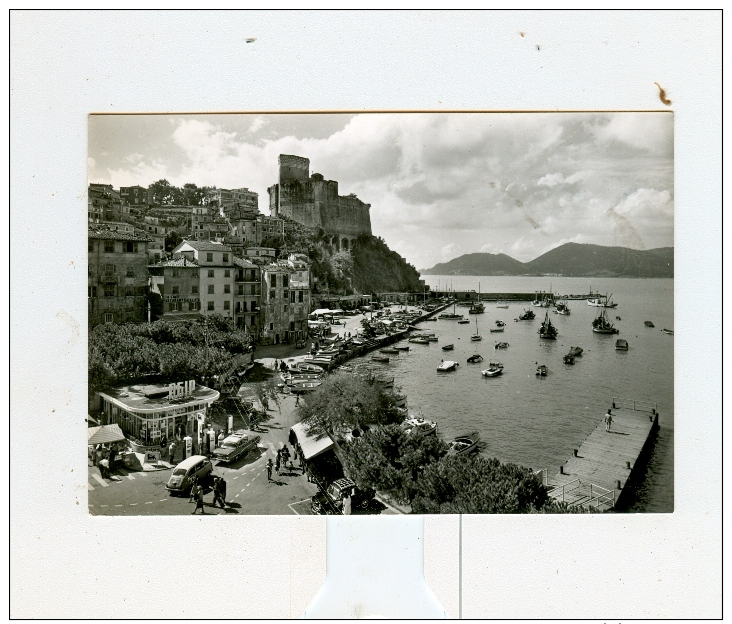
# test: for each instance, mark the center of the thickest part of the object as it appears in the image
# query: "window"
(157, 258)
(240, 290)
(227, 305)
(292, 325)
(285, 280)
(191, 305)
(194, 273)
(130, 272)
(227, 273)
(109, 291)
(273, 281)
(194, 290)
(292, 296)
(209, 257)
(226, 259)
(176, 272)
(210, 305)
(176, 290)
(108, 246)
(211, 273)
(253, 290)
(285, 309)
(210, 289)
(108, 317)
(227, 289)
(271, 326)
(244, 307)
(129, 247)
(129, 292)
(300, 296)
(109, 269)
(91, 245)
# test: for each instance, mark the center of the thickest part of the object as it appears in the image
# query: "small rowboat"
(419, 341)
(621, 345)
(569, 359)
(497, 329)
(449, 347)
(501, 345)
(542, 370)
(475, 359)
(447, 366)
(402, 347)
(464, 444)
(668, 331)
(390, 351)
(380, 358)
(463, 322)
(575, 351)
(648, 324)
(494, 369)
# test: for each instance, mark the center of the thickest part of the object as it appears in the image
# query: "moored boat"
(389, 351)
(562, 308)
(463, 322)
(501, 345)
(668, 331)
(446, 366)
(402, 347)
(382, 359)
(542, 370)
(621, 345)
(569, 359)
(463, 444)
(419, 426)
(575, 351)
(648, 324)
(601, 324)
(419, 341)
(448, 347)
(528, 315)
(494, 369)
(496, 329)
(547, 330)
(476, 358)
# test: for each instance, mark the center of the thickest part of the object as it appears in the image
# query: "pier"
(602, 472)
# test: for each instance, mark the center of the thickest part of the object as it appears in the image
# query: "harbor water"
(538, 421)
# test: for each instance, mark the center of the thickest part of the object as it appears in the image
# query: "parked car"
(235, 446)
(182, 477)
(330, 500)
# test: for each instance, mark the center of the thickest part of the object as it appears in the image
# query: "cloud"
(551, 180)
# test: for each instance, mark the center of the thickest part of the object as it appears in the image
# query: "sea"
(537, 421)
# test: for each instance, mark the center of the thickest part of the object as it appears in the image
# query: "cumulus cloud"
(442, 183)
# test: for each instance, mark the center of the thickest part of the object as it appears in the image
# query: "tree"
(161, 193)
(172, 240)
(344, 402)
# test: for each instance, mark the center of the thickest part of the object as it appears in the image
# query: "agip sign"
(181, 389)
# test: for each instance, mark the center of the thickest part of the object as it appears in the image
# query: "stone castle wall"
(315, 202)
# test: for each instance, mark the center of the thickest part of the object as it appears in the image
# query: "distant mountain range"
(569, 260)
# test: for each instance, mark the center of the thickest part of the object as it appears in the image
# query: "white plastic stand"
(374, 569)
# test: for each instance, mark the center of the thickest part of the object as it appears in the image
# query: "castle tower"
(293, 168)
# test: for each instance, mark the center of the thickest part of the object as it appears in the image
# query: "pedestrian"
(194, 485)
(265, 403)
(277, 464)
(112, 456)
(172, 451)
(218, 489)
(608, 420)
(98, 454)
(297, 400)
(269, 469)
(199, 500)
(104, 468)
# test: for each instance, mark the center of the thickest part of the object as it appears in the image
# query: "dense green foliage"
(163, 193)
(345, 402)
(171, 351)
(376, 268)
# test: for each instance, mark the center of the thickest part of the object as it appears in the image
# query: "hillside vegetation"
(570, 259)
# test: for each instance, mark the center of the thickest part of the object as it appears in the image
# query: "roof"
(104, 434)
(177, 262)
(154, 397)
(204, 246)
(247, 264)
(310, 445)
(103, 233)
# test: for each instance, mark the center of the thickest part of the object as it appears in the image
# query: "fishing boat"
(463, 444)
(500, 323)
(602, 302)
(494, 369)
(569, 359)
(447, 366)
(648, 324)
(668, 331)
(476, 336)
(547, 330)
(528, 315)
(501, 345)
(419, 341)
(476, 308)
(451, 316)
(419, 426)
(621, 345)
(463, 322)
(542, 370)
(575, 351)
(562, 308)
(390, 351)
(601, 324)
(402, 347)
(382, 359)
(449, 347)
(475, 359)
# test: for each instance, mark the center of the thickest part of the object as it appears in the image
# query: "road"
(248, 490)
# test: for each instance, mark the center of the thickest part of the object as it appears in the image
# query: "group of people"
(197, 493)
(104, 458)
(284, 460)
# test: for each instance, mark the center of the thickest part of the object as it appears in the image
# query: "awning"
(323, 311)
(311, 446)
(104, 434)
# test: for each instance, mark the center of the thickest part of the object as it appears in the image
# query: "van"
(182, 478)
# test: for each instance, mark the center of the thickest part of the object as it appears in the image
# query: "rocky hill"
(570, 259)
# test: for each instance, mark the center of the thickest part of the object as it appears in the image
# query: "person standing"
(199, 500)
(194, 485)
(217, 490)
(277, 464)
(608, 420)
(269, 469)
(172, 452)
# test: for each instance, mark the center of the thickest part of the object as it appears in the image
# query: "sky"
(440, 185)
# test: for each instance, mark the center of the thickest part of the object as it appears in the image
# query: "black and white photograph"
(381, 313)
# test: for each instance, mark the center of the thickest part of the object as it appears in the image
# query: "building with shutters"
(177, 283)
(216, 274)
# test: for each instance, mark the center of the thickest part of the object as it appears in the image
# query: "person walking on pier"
(608, 420)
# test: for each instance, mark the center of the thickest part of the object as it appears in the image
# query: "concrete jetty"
(601, 473)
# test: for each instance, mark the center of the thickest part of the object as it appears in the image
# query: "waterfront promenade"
(602, 471)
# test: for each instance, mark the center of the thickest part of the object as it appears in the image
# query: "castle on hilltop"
(314, 202)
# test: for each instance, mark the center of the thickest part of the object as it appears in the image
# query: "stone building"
(285, 304)
(315, 202)
(254, 231)
(177, 281)
(247, 293)
(105, 204)
(117, 276)
(216, 280)
(134, 195)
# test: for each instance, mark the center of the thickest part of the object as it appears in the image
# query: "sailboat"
(477, 307)
(601, 324)
(562, 308)
(451, 316)
(547, 330)
(476, 336)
